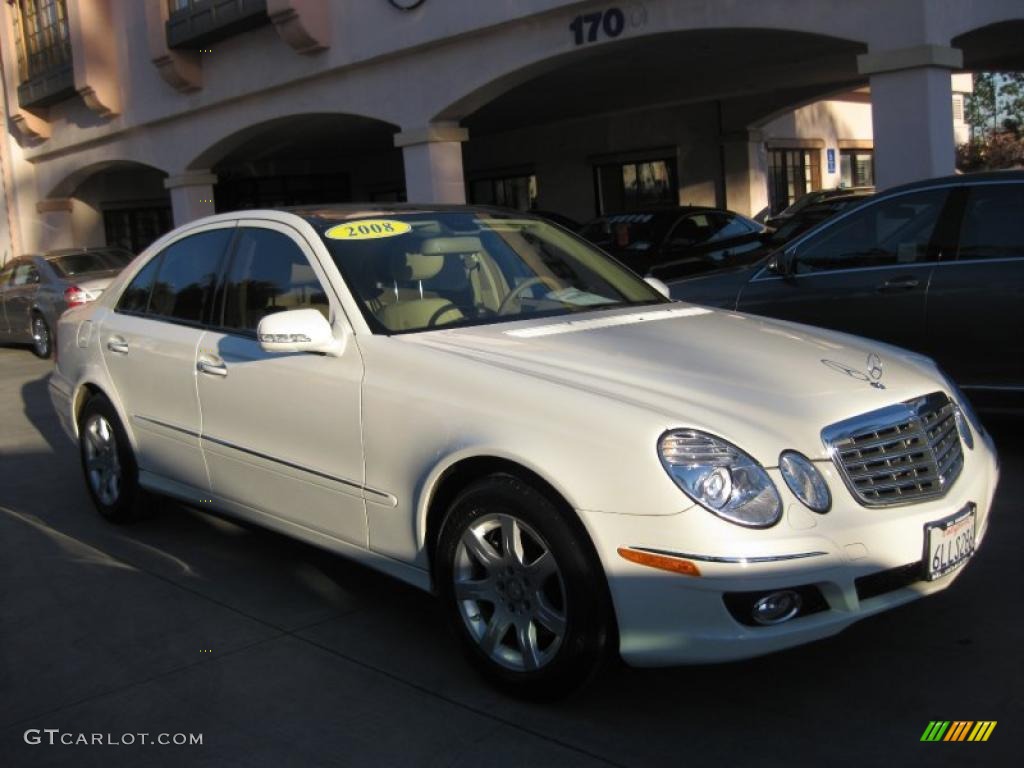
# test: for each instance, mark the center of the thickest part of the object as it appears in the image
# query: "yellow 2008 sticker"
(368, 229)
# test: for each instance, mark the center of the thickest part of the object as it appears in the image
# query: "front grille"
(900, 454)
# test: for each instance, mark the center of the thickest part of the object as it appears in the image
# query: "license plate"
(949, 543)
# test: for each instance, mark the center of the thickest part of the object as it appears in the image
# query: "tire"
(42, 338)
(535, 618)
(108, 462)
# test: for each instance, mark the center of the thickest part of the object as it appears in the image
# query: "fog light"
(777, 607)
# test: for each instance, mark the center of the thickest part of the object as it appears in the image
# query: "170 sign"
(589, 27)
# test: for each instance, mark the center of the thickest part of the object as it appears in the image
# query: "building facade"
(126, 118)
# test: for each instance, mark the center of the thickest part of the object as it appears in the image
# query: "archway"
(117, 203)
(661, 119)
(305, 159)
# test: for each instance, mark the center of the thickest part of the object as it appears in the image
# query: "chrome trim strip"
(292, 465)
(165, 425)
(733, 560)
(381, 494)
(911, 265)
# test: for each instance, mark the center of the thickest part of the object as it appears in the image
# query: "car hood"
(765, 384)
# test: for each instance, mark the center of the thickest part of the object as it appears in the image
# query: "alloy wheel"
(102, 466)
(510, 592)
(40, 336)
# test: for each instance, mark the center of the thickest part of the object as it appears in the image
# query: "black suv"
(936, 266)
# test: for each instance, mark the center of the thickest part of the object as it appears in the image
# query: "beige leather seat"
(420, 310)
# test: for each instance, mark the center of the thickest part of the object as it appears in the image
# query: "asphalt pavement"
(278, 654)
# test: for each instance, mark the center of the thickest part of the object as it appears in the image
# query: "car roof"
(57, 253)
(962, 178)
(675, 211)
(346, 211)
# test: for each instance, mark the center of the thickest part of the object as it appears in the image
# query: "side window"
(269, 273)
(991, 228)
(188, 271)
(135, 299)
(893, 231)
(692, 230)
(730, 225)
(5, 275)
(25, 274)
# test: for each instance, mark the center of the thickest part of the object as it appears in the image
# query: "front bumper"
(666, 618)
(61, 394)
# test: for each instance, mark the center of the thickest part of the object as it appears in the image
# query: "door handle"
(118, 345)
(898, 284)
(214, 369)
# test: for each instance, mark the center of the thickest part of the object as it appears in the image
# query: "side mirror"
(659, 286)
(781, 264)
(298, 330)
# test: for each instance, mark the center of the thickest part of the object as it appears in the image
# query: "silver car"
(36, 289)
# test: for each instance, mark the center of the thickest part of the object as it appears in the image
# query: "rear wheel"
(522, 589)
(42, 340)
(108, 462)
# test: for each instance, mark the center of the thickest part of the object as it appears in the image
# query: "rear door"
(975, 315)
(281, 432)
(5, 279)
(149, 345)
(19, 298)
(865, 273)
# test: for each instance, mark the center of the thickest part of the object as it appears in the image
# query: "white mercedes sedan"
(483, 405)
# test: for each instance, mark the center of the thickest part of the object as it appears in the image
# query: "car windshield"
(75, 264)
(425, 270)
(629, 231)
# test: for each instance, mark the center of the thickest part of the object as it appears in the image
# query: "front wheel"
(522, 588)
(108, 462)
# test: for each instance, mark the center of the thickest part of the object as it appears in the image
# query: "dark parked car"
(36, 289)
(803, 221)
(557, 218)
(936, 266)
(811, 216)
(813, 198)
(688, 240)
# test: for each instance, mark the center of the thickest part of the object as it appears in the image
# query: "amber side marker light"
(662, 562)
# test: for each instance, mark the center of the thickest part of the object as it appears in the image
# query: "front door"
(149, 345)
(281, 432)
(866, 274)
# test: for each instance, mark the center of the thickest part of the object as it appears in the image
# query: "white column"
(433, 163)
(911, 112)
(745, 176)
(191, 195)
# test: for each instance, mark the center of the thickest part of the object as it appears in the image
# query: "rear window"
(74, 264)
(629, 231)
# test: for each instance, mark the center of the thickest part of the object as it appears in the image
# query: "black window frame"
(945, 231)
(953, 243)
(204, 322)
(215, 320)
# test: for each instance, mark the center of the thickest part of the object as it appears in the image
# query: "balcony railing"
(199, 23)
(45, 72)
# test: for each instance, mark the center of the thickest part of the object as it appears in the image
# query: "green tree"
(1011, 100)
(980, 106)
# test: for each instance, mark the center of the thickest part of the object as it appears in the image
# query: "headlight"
(720, 477)
(805, 481)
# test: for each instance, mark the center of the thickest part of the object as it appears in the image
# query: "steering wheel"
(553, 283)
